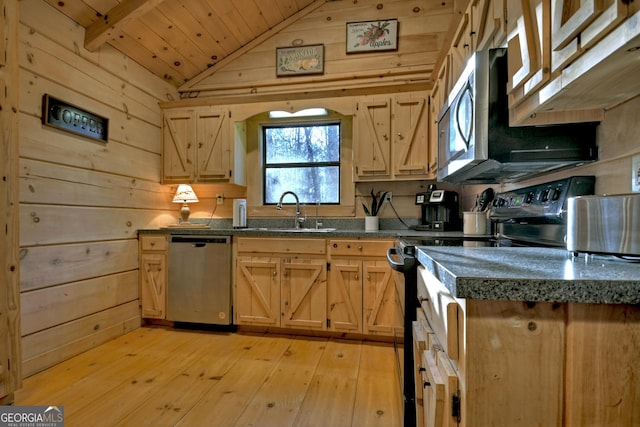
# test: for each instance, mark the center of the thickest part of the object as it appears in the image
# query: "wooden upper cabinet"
(214, 148)
(488, 23)
(178, 145)
(558, 69)
(197, 145)
(462, 47)
(578, 25)
(411, 136)
(391, 137)
(372, 139)
(527, 30)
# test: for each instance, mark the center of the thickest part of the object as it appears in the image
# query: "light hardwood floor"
(156, 376)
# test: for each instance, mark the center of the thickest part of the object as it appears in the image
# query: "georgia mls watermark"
(31, 416)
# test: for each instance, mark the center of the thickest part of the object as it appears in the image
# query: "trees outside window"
(303, 158)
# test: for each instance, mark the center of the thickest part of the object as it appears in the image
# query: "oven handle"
(407, 262)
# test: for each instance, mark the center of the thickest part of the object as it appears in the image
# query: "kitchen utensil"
(486, 197)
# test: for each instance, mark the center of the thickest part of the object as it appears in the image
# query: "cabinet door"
(525, 50)
(372, 144)
(257, 291)
(153, 286)
(488, 23)
(214, 151)
(178, 146)
(344, 296)
(304, 293)
(410, 136)
(381, 302)
(462, 46)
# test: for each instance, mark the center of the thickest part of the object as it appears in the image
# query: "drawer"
(154, 243)
(280, 246)
(433, 391)
(376, 248)
(443, 312)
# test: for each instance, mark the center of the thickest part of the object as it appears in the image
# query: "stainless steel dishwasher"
(199, 288)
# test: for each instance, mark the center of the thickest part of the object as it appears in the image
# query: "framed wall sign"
(299, 60)
(64, 116)
(372, 36)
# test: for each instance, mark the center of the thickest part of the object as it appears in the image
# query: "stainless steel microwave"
(476, 144)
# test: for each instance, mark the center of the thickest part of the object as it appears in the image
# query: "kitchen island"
(526, 336)
(533, 274)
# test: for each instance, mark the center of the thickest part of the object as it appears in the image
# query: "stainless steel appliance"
(604, 224)
(199, 288)
(239, 213)
(440, 210)
(476, 144)
(529, 216)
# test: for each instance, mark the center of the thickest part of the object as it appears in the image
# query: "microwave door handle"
(466, 136)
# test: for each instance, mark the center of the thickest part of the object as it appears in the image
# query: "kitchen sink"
(303, 230)
(292, 230)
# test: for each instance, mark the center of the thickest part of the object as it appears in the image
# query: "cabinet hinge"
(230, 173)
(328, 266)
(328, 323)
(455, 405)
(229, 114)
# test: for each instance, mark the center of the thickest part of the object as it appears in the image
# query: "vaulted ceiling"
(179, 39)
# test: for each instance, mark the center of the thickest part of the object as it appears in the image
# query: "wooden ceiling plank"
(78, 11)
(127, 11)
(161, 49)
(189, 24)
(174, 36)
(270, 10)
(252, 15)
(216, 27)
(234, 22)
(146, 58)
(255, 42)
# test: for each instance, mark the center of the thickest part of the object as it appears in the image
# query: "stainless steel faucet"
(299, 220)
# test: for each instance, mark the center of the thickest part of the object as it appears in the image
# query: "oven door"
(402, 260)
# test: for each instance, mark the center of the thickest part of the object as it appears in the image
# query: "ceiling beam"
(100, 31)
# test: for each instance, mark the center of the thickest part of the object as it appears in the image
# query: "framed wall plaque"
(299, 60)
(64, 116)
(372, 36)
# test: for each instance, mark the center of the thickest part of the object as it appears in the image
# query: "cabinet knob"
(360, 247)
(275, 273)
(426, 384)
(423, 299)
(356, 277)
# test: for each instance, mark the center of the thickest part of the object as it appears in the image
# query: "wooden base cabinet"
(281, 283)
(153, 276)
(523, 363)
(362, 296)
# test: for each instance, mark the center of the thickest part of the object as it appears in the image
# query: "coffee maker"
(440, 210)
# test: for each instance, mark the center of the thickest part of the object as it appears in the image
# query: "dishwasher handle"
(201, 241)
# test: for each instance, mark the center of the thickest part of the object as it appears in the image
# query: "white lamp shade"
(185, 194)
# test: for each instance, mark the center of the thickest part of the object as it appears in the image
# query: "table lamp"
(185, 195)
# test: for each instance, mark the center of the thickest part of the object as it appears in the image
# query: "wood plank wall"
(422, 30)
(10, 367)
(81, 201)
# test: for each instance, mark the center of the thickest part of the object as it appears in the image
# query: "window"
(303, 158)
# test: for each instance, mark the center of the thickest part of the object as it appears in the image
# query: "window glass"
(303, 158)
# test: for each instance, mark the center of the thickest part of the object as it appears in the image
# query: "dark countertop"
(532, 274)
(274, 232)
